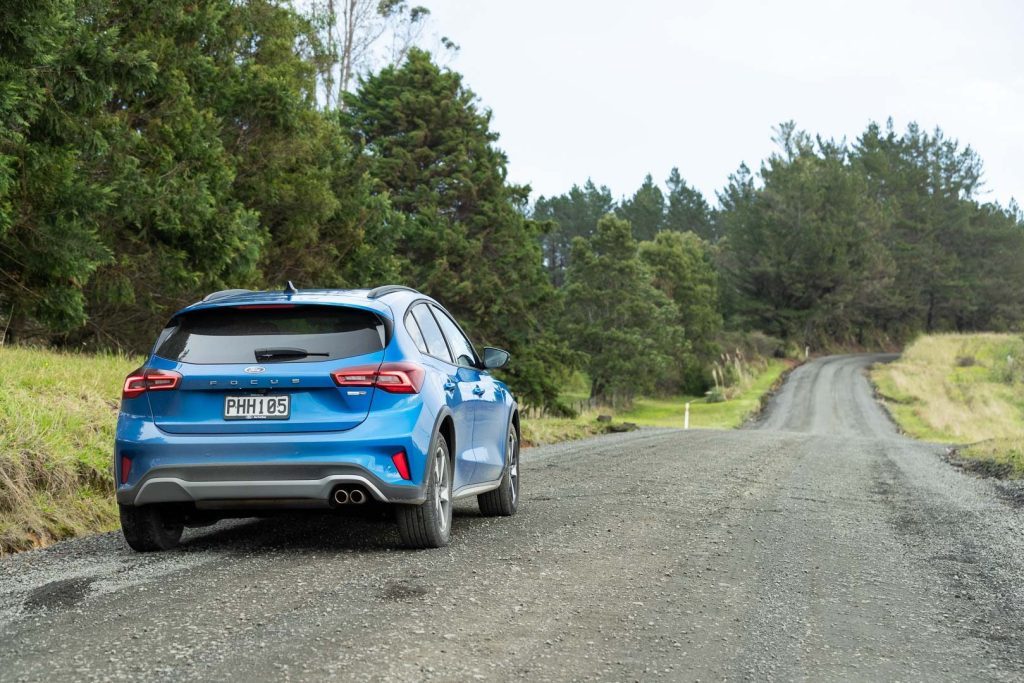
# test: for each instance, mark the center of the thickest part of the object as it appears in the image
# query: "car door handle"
(449, 386)
(478, 391)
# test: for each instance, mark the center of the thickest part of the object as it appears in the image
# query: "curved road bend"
(819, 545)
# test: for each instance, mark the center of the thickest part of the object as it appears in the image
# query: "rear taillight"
(144, 379)
(397, 378)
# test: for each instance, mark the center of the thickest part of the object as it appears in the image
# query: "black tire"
(504, 500)
(430, 525)
(150, 527)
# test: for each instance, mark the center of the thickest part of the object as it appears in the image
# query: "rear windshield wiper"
(284, 353)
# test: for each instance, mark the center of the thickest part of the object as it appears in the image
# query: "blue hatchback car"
(252, 402)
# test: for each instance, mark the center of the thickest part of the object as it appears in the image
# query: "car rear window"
(237, 335)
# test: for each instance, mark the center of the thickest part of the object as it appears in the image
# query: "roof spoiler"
(213, 296)
(384, 290)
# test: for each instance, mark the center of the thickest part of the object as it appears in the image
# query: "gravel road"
(818, 544)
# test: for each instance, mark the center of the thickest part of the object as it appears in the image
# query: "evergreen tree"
(464, 238)
(687, 209)
(327, 226)
(682, 268)
(805, 252)
(174, 225)
(645, 210)
(625, 325)
(567, 216)
(154, 151)
(926, 184)
(56, 73)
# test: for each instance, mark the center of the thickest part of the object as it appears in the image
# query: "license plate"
(257, 407)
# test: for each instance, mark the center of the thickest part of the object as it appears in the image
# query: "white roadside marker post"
(686, 420)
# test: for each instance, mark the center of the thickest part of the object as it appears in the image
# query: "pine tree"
(465, 239)
(682, 268)
(627, 327)
(56, 74)
(567, 216)
(645, 210)
(687, 209)
(804, 252)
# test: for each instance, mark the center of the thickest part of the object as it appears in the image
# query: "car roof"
(380, 299)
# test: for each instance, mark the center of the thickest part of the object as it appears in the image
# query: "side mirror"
(495, 358)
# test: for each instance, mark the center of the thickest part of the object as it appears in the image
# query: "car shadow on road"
(369, 530)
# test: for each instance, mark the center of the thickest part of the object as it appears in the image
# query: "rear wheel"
(430, 525)
(504, 500)
(150, 527)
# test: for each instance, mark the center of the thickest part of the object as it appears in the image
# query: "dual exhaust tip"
(345, 495)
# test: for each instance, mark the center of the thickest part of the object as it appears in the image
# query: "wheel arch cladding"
(447, 430)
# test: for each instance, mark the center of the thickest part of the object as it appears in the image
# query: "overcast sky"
(614, 90)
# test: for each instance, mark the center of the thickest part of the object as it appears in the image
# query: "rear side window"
(431, 333)
(271, 335)
(414, 332)
(463, 350)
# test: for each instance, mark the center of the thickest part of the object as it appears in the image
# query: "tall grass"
(57, 417)
(962, 389)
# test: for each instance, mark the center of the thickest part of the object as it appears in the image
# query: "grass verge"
(57, 417)
(730, 414)
(58, 413)
(541, 431)
(962, 389)
(663, 412)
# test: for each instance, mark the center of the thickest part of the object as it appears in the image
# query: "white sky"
(613, 90)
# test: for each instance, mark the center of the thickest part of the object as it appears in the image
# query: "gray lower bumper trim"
(173, 489)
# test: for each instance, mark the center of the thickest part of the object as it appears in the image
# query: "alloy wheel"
(513, 465)
(443, 490)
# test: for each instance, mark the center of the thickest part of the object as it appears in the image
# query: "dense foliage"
(464, 238)
(152, 151)
(627, 325)
(829, 245)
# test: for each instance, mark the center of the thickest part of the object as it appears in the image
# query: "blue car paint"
(335, 435)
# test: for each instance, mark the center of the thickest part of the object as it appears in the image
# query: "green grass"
(962, 389)
(670, 412)
(659, 412)
(57, 418)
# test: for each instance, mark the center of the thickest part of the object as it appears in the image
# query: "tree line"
(829, 244)
(151, 152)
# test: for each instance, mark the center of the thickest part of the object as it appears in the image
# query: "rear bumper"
(214, 485)
(258, 470)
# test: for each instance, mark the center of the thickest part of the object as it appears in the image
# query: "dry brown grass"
(962, 389)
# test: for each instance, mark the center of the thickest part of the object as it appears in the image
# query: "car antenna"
(290, 288)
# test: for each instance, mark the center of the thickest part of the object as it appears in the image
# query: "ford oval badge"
(255, 369)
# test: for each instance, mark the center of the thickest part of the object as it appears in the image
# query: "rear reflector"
(143, 380)
(402, 465)
(126, 468)
(396, 378)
